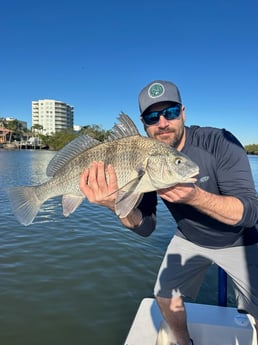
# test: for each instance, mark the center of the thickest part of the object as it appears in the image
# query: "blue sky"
(97, 55)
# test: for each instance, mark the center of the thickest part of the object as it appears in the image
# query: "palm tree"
(37, 128)
(13, 126)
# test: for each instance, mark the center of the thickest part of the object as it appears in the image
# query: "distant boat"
(9, 146)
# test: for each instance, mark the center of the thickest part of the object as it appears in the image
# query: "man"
(217, 217)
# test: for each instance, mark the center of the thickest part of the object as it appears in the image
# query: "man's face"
(171, 132)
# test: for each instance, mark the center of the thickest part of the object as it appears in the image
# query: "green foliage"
(14, 126)
(252, 149)
(37, 127)
(95, 131)
(59, 139)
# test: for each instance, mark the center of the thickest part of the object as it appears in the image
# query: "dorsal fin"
(125, 128)
(69, 151)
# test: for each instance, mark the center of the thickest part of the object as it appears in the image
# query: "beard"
(170, 137)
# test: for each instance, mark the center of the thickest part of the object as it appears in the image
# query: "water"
(79, 279)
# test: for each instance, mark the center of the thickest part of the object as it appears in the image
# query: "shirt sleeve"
(235, 177)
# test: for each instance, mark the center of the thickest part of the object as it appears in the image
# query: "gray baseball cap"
(156, 92)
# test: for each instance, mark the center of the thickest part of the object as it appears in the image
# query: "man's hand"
(102, 191)
(96, 187)
(180, 193)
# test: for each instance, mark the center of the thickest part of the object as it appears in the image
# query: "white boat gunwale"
(208, 324)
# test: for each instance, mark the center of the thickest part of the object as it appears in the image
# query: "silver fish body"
(142, 164)
(165, 335)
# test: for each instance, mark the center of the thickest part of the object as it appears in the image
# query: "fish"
(142, 164)
(165, 335)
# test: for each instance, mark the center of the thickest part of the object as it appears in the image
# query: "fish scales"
(123, 154)
(118, 153)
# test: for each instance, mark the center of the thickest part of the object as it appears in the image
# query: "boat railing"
(222, 287)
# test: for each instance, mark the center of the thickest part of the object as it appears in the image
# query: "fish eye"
(178, 161)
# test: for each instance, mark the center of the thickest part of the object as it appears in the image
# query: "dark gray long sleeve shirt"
(224, 170)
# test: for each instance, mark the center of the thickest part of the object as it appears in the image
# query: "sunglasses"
(170, 113)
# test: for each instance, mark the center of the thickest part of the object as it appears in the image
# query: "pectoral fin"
(145, 185)
(129, 195)
(132, 185)
(134, 181)
(70, 203)
(125, 202)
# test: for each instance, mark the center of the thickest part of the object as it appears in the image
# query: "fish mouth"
(192, 178)
(189, 180)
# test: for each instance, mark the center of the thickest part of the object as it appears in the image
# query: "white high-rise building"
(53, 116)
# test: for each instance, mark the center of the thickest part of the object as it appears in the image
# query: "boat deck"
(213, 325)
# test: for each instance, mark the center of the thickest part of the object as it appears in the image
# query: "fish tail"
(24, 203)
(165, 335)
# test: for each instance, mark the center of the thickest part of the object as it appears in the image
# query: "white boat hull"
(208, 325)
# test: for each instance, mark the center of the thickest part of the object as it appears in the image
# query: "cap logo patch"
(156, 90)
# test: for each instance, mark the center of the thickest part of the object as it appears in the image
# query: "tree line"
(53, 142)
(252, 149)
(59, 139)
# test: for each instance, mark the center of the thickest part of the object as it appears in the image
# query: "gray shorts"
(185, 264)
